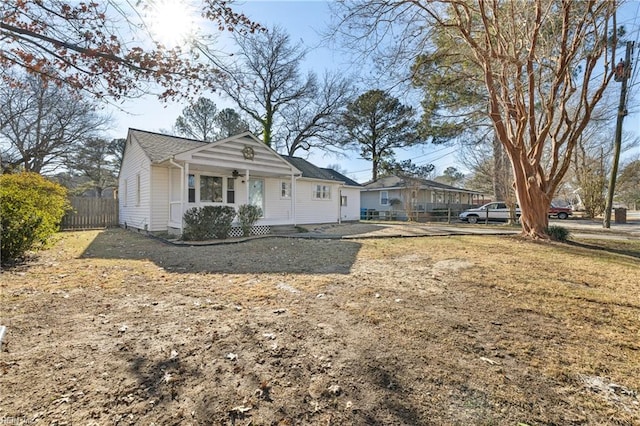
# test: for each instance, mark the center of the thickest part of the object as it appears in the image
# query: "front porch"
(198, 187)
(232, 173)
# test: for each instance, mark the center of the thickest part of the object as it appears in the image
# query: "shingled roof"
(341, 177)
(392, 182)
(313, 172)
(159, 147)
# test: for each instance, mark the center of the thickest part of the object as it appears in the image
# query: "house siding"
(278, 209)
(134, 207)
(230, 155)
(371, 200)
(159, 190)
(352, 210)
(310, 210)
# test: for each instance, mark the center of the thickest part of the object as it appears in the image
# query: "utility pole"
(623, 72)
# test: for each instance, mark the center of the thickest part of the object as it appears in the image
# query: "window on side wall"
(285, 189)
(211, 189)
(343, 200)
(192, 188)
(322, 192)
(384, 198)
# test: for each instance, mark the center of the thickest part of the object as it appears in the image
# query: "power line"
(452, 149)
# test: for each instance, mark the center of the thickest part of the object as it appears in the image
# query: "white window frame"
(343, 201)
(285, 190)
(228, 189)
(384, 201)
(322, 192)
(192, 178)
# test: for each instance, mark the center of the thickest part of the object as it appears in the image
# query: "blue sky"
(305, 20)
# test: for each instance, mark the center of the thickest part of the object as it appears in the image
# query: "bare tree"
(541, 63)
(587, 177)
(267, 77)
(43, 124)
(295, 111)
(629, 189)
(313, 120)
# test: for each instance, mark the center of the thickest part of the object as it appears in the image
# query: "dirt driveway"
(116, 328)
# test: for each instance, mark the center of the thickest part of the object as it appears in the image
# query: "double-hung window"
(285, 189)
(384, 198)
(322, 192)
(231, 191)
(192, 188)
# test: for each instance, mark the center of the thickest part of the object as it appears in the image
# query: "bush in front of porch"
(248, 215)
(208, 222)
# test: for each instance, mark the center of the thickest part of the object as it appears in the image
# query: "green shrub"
(205, 223)
(31, 208)
(248, 215)
(558, 233)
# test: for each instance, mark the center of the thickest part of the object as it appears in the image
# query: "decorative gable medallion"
(247, 152)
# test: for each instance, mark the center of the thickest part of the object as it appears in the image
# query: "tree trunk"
(374, 169)
(533, 199)
(266, 132)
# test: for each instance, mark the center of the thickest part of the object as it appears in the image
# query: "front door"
(256, 193)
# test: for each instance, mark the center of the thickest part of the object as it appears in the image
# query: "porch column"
(180, 199)
(185, 184)
(246, 186)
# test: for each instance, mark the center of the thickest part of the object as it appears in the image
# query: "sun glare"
(172, 22)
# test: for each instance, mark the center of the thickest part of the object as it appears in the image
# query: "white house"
(163, 176)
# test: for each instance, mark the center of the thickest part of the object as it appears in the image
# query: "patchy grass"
(436, 330)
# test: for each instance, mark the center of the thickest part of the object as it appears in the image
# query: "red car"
(560, 212)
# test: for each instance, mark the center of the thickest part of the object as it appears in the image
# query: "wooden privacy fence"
(90, 213)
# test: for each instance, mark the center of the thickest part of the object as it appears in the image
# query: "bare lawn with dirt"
(115, 328)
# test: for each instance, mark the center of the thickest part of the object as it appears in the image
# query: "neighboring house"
(163, 176)
(403, 198)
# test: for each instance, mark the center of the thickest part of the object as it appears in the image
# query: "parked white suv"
(491, 211)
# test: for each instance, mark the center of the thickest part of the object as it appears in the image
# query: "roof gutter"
(433, 188)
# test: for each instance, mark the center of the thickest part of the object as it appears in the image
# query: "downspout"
(294, 196)
(340, 204)
(173, 163)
